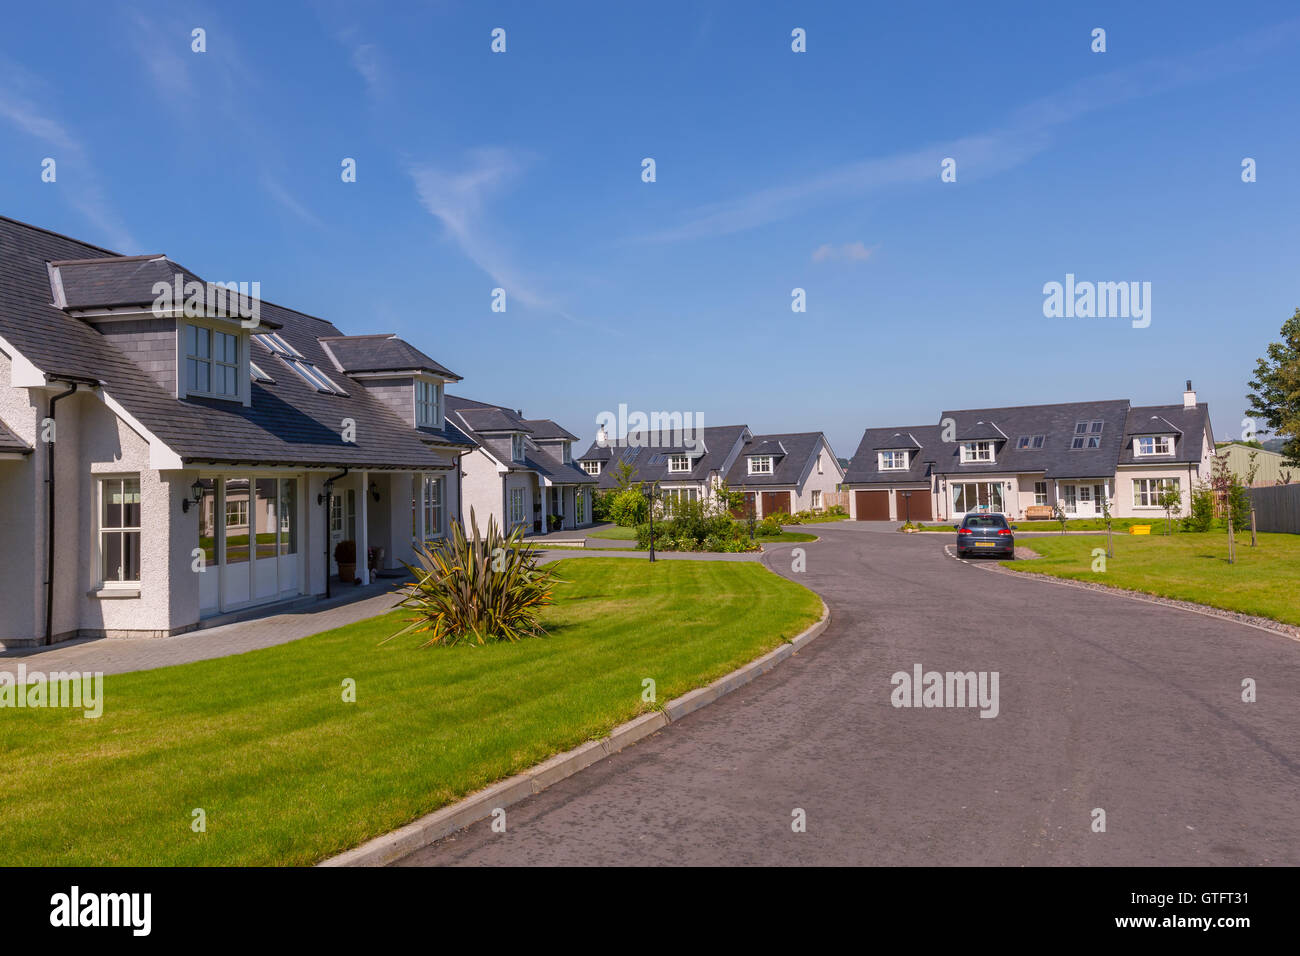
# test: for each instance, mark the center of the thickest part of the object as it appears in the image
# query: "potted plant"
(555, 521)
(345, 556)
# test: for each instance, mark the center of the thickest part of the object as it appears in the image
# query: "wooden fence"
(1276, 508)
(832, 498)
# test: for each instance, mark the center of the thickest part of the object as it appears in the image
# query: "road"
(1104, 703)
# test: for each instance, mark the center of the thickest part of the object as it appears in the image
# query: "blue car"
(985, 534)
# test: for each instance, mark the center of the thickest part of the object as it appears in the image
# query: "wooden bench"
(1038, 512)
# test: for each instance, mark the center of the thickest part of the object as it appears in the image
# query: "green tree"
(1171, 499)
(1275, 389)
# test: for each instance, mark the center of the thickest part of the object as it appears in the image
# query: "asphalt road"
(1104, 702)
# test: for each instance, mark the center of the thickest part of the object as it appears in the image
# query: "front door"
(1085, 506)
(343, 523)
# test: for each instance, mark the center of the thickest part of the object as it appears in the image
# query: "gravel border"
(1249, 620)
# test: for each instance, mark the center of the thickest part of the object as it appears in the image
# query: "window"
(211, 362)
(1030, 442)
(1040, 492)
(580, 506)
(1087, 435)
(1147, 491)
(517, 447)
(119, 530)
(568, 453)
(819, 464)
(976, 496)
(258, 374)
(760, 465)
(433, 524)
(428, 404)
(516, 505)
(672, 496)
(975, 451)
(309, 373)
(893, 460)
(816, 500)
(1155, 445)
(591, 467)
(679, 462)
(237, 512)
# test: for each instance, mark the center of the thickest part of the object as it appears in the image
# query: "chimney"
(1189, 397)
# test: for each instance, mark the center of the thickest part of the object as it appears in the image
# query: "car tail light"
(1005, 531)
(964, 531)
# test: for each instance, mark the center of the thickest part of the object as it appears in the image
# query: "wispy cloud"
(368, 61)
(77, 180)
(1027, 131)
(849, 252)
(458, 199)
(276, 191)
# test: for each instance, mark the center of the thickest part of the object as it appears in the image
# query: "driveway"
(1104, 702)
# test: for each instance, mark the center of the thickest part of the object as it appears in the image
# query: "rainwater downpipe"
(49, 516)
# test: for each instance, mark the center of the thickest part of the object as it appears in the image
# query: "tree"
(1058, 512)
(1171, 499)
(1275, 389)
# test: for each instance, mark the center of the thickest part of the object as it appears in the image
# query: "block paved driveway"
(1105, 702)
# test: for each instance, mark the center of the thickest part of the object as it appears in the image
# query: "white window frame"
(103, 484)
(211, 361)
(977, 452)
(580, 506)
(816, 499)
(1146, 491)
(679, 464)
(517, 506)
(568, 453)
(760, 465)
(887, 460)
(1040, 497)
(433, 507)
(428, 403)
(591, 468)
(1158, 442)
(516, 447)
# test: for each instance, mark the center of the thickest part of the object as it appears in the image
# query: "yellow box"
(1140, 529)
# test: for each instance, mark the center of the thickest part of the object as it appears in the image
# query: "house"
(163, 461)
(1270, 466)
(521, 471)
(1023, 460)
(787, 472)
(790, 472)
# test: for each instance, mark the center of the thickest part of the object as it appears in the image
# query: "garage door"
(917, 507)
(872, 505)
(746, 508)
(774, 501)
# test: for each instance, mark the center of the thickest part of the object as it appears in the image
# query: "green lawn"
(1189, 567)
(615, 532)
(785, 536)
(289, 774)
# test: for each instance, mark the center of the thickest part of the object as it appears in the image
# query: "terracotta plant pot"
(347, 573)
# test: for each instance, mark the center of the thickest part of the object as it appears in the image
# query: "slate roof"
(1189, 426)
(107, 282)
(546, 430)
(649, 458)
(1055, 459)
(9, 442)
(799, 450)
(485, 423)
(921, 439)
(381, 353)
(288, 423)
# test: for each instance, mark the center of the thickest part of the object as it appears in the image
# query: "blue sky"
(775, 170)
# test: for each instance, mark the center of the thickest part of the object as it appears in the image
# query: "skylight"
(274, 343)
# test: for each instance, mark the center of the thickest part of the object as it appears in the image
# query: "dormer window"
(428, 404)
(760, 465)
(1153, 445)
(893, 461)
(679, 463)
(591, 467)
(517, 447)
(976, 451)
(1030, 442)
(211, 362)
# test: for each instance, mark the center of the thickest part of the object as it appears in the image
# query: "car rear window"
(986, 521)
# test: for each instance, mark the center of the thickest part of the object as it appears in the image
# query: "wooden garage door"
(774, 501)
(872, 505)
(918, 508)
(745, 508)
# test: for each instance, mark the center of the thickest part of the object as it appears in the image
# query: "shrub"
(600, 505)
(780, 517)
(477, 589)
(627, 507)
(345, 552)
(836, 510)
(768, 526)
(1200, 516)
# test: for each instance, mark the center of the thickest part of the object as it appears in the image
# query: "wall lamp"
(196, 495)
(329, 490)
(374, 490)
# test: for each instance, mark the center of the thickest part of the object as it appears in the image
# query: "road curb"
(429, 829)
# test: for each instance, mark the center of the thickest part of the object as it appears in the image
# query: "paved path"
(1104, 702)
(119, 655)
